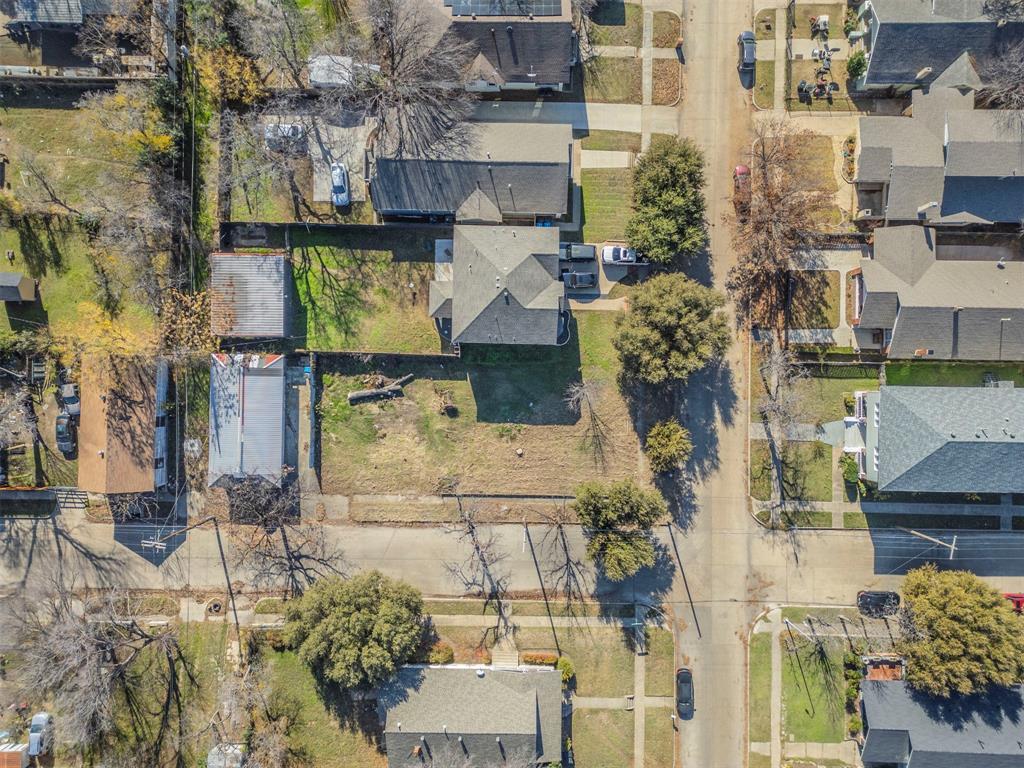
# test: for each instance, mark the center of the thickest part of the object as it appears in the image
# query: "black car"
(579, 279)
(684, 693)
(877, 604)
(576, 252)
(66, 433)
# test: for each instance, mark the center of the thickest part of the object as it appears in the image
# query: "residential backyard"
(927, 373)
(607, 200)
(814, 299)
(507, 430)
(804, 70)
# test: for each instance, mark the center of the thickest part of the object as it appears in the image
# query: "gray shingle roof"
(951, 440)
(879, 310)
(434, 707)
(519, 51)
(962, 732)
(48, 11)
(505, 286)
(249, 294)
(247, 398)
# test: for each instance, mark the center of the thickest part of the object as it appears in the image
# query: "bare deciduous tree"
(1003, 76)
(784, 203)
(41, 193)
(582, 397)
(277, 32)
(17, 420)
(103, 669)
(129, 24)
(1004, 10)
(270, 540)
(482, 573)
(567, 572)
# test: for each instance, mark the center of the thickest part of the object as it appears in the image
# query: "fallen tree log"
(394, 389)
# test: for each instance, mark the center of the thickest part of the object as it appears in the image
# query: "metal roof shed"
(249, 294)
(14, 286)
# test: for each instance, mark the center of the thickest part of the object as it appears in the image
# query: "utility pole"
(937, 542)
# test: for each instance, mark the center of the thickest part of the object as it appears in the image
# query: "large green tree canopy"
(672, 329)
(668, 200)
(357, 631)
(961, 636)
(619, 517)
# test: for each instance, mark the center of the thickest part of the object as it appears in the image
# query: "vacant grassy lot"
(922, 373)
(760, 691)
(58, 256)
(660, 663)
(814, 299)
(804, 69)
(812, 692)
(659, 736)
(47, 126)
(803, 13)
(614, 80)
(603, 656)
(764, 84)
(666, 29)
(806, 471)
(319, 732)
(617, 23)
(607, 200)
(764, 24)
(623, 141)
(667, 74)
(602, 738)
(501, 404)
(366, 292)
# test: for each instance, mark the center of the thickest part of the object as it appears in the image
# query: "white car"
(616, 254)
(340, 195)
(40, 734)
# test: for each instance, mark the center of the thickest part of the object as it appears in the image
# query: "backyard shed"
(14, 286)
(249, 294)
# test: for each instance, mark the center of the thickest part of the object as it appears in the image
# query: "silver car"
(69, 400)
(40, 734)
(617, 254)
(340, 196)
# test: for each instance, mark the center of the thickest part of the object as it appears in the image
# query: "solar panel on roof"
(507, 7)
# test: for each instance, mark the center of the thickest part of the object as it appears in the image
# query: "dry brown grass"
(666, 81)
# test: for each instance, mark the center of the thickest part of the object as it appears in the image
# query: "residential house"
(911, 43)
(913, 730)
(122, 433)
(481, 715)
(511, 173)
(250, 295)
(947, 165)
(940, 439)
(44, 38)
(919, 298)
(247, 418)
(14, 286)
(513, 54)
(501, 286)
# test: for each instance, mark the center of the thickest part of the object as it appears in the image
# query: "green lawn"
(659, 663)
(757, 760)
(319, 734)
(617, 23)
(764, 84)
(926, 373)
(764, 24)
(759, 705)
(607, 200)
(623, 141)
(659, 737)
(613, 80)
(823, 397)
(949, 522)
(666, 29)
(509, 431)
(807, 471)
(804, 11)
(814, 299)
(58, 256)
(813, 692)
(603, 660)
(602, 738)
(367, 293)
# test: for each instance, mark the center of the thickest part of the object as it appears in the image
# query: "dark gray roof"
(416, 187)
(951, 439)
(930, 11)
(505, 286)
(874, 164)
(476, 712)
(48, 11)
(879, 310)
(982, 731)
(249, 294)
(519, 51)
(247, 416)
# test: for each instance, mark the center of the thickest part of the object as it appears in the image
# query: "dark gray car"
(684, 693)
(579, 279)
(748, 50)
(576, 252)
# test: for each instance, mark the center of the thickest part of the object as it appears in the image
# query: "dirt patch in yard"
(666, 29)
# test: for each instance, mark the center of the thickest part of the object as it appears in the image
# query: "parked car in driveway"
(748, 50)
(340, 195)
(617, 254)
(684, 693)
(576, 252)
(40, 734)
(66, 434)
(69, 399)
(877, 604)
(579, 279)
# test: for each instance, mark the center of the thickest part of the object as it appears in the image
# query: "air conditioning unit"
(864, 213)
